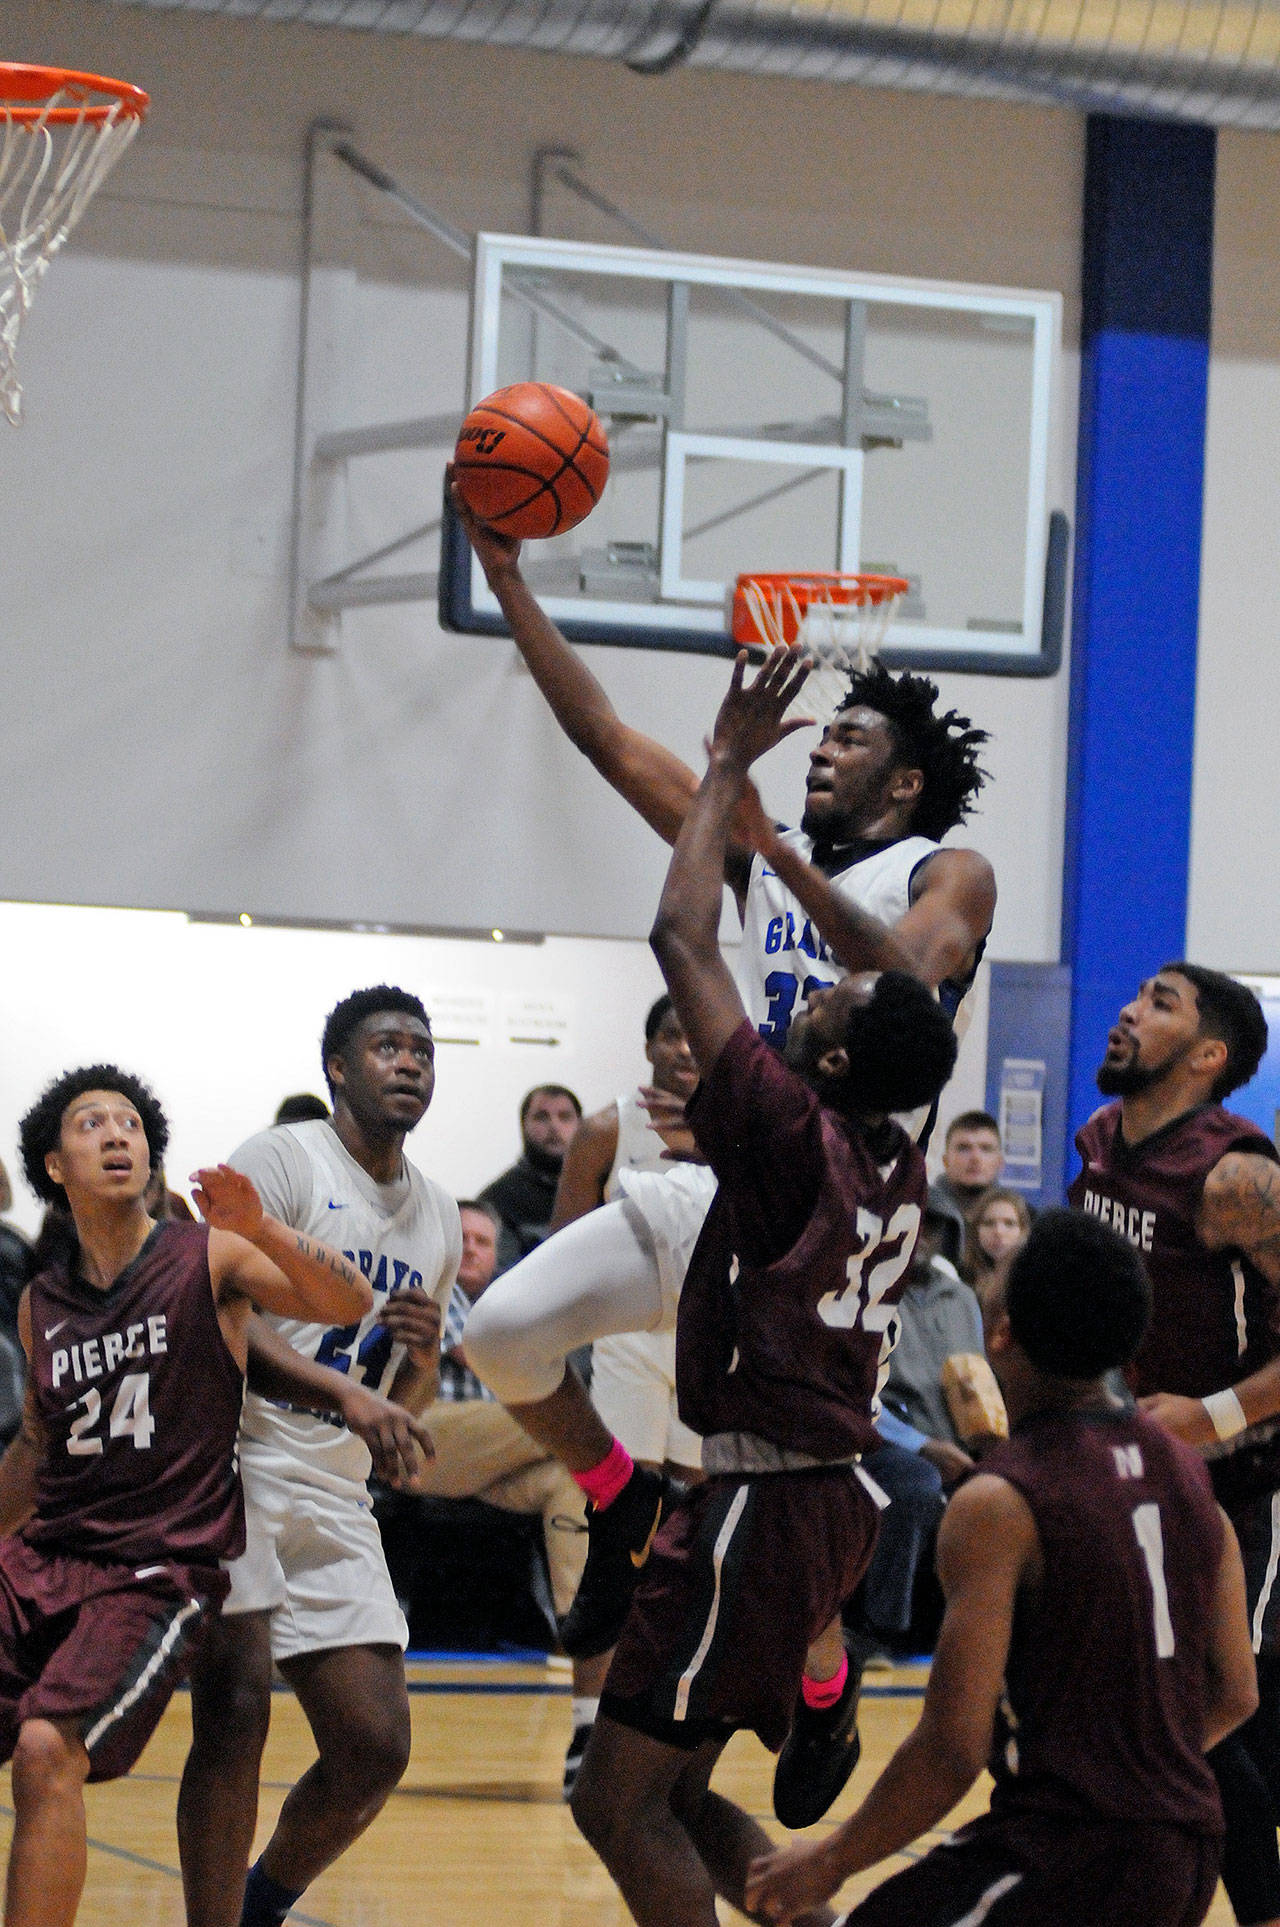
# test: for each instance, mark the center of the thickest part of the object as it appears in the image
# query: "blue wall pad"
(1148, 247)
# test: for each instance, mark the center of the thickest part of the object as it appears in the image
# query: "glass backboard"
(764, 417)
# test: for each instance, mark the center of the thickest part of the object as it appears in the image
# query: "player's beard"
(1128, 1080)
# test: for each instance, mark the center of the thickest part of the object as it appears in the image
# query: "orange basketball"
(531, 460)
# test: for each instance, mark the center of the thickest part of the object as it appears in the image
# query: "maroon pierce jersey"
(1215, 1318)
(786, 1316)
(140, 1400)
(1103, 1715)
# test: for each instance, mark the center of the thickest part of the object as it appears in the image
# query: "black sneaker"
(819, 1756)
(574, 1757)
(619, 1542)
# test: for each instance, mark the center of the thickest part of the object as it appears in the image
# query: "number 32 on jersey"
(872, 1270)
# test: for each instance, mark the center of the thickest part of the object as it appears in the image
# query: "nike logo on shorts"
(336, 1207)
(149, 1572)
(638, 1558)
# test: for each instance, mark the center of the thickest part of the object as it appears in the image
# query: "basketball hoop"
(838, 620)
(61, 133)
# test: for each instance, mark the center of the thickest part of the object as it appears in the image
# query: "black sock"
(266, 1902)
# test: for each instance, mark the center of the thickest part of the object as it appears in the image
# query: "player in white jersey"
(312, 1592)
(633, 1374)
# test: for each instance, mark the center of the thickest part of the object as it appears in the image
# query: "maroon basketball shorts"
(1027, 1870)
(742, 1577)
(100, 1646)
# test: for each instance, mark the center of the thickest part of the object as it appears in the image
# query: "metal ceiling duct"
(1210, 61)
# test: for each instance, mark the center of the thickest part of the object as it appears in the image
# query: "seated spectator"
(524, 1196)
(17, 1260)
(996, 1227)
(17, 1269)
(921, 1455)
(301, 1108)
(939, 1316)
(481, 1453)
(972, 1159)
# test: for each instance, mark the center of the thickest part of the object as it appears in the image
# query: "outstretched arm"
(398, 1442)
(686, 933)
(949, 915)
(649, 777)
(263, 1261)
(987, 1543)
(1240, 1211)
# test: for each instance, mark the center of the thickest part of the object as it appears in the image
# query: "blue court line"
(556, 1689)
(158, 1866)
(550, 1689)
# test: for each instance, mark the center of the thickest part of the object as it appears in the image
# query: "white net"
(53, 159)
(839, 621)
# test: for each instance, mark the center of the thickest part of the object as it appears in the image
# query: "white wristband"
(1226, 1413)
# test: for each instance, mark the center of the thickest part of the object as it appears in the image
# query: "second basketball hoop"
(61, 133)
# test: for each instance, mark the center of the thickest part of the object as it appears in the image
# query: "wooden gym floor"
(477, 1830)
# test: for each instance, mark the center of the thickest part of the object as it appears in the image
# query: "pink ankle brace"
(820, 1693)
(604, 1482)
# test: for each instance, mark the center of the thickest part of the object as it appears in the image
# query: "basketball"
(531, 460)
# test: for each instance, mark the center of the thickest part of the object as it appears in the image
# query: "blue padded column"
(1148, 245)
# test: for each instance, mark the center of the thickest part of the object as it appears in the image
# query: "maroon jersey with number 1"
(786, 1316)
(139, 1399)
(1105, 1680)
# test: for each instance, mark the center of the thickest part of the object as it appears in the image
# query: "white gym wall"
(224, 1021)
(161, 745)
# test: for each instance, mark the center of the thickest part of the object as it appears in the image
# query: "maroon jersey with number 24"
(786, 1317)
(139, 1399)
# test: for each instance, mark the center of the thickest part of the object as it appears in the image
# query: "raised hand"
(495, 550)
(413, 1319)
(753, 717)
(667, 1119)
(227, 1200)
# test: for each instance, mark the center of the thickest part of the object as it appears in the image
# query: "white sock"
(584, 1711)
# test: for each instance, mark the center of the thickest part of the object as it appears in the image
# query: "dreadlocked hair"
(944, 748)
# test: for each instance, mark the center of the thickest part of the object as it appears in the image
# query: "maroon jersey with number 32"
(786, 1318)
(139, 1399)
(1105, 1680)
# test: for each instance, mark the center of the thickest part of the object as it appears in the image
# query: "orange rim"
(25, 92)
(834, 587)
(801, 590)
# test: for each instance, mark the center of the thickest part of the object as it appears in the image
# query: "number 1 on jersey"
(1146, 1525)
